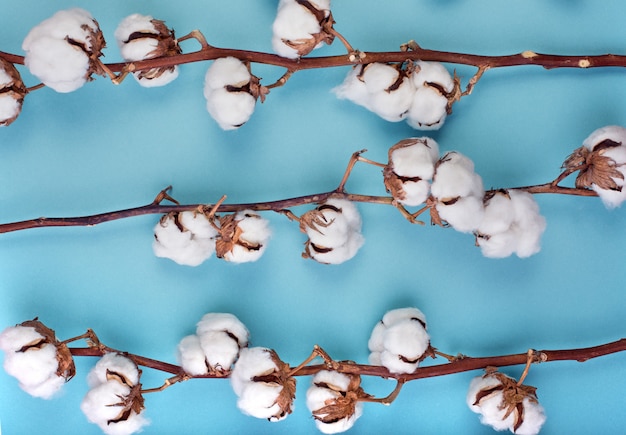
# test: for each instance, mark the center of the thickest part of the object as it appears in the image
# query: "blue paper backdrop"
(108, 147)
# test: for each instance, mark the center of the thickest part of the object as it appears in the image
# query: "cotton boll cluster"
(188, 238)
(458, 193)
(301, 26)
(502, 404)
(602, 164)
(141, 37)
(400, 341)
(215, 346)
(114, 401)
(334, 231)
(63, 51)
(243, 237)
(12, 93)
(511, 225)
(409, 171)
(418, 93)
(333, 401)
(231, 92)
(262, 384)
(36, 358)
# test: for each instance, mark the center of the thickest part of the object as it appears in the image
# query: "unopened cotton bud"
(141, 37)
(63, 51)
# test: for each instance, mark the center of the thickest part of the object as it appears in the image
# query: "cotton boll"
(464, 215)
(230, 109)
(338, 254)
(534, 418)
(226, 89)
(252, 362)
(327, 387)
(10, 108)
(259, 399)
(220, 349)
(530, 224)
(103, 405)
(224, 322)
(254, 235)
(114, 363)
(58, 63)
(376, 343)
(12, 93)
(499, 214)
(191, 356)
(415, 157)
(615, 133)
(175, 238)
(297, 31)
(429, 107)
(353, 87)
(400, 314)
(613, 198)
(141, 37)
(455, 176)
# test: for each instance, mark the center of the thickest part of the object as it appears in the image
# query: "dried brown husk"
(133, 402)
(594, 167)
(15, 89)
(66, 368)
(231, 235)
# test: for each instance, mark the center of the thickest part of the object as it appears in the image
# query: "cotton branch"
(459, 365)
(281, 206)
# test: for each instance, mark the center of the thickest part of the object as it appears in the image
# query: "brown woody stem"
(464, 364)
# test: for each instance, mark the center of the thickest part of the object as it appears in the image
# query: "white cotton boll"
(258, 399)
(488, 406)
(197, 224)
(226, 71)
(349, 211)
(230, 109)
(140, 48)
(498, 245)
(416, 192)
(318, 397)
(116, 363)
(335, 234)
(51, 58)
(220, 349)
(400, 314)
(530, 224)
(405, 342)
(9, 106)
(498, 216)
(340, 254)
(534, 418)
(223, 322)
(100, 404)
(376, 340)
(416, 160)
(455, 176)
(353, 88)
(428, 109)
(615, 133)
(36, 371)
(191, 356)
(293, 22)
(465, 215)
(184, 247)
(393, 105)
(252, 362)
(256, 232)
(14, 338)
(333, 378)
(432, 72)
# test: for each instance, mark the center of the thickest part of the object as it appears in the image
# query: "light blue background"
(105, 148)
